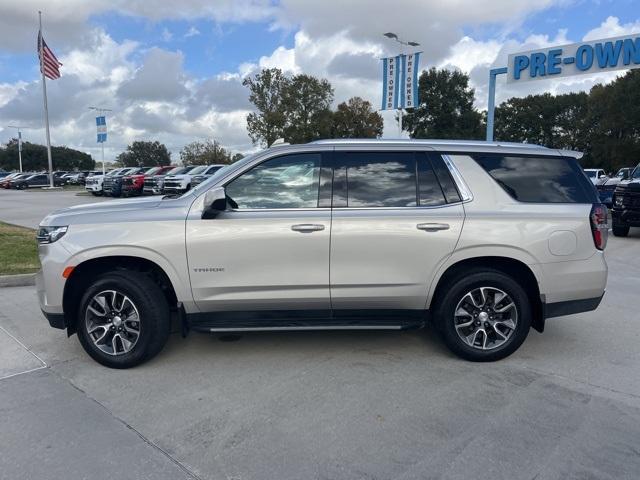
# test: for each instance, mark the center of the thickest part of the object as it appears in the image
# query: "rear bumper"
(559, 309)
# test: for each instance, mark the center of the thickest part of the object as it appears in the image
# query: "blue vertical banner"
(101, 124)
(400, 81)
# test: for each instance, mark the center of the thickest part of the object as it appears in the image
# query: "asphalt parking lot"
(28, 207)
(328, 405)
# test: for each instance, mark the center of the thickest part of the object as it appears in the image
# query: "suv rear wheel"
(123, 319)
(484, 316)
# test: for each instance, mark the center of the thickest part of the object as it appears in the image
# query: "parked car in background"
(483, 240)
(134, 184)
(35, 180)
(201, 177)
(595, 174)
(181, 182)
(625, 211)
(606, 186)
(153, 183)
(4, 182)
(94, 183)
(113, 183)
(4, 174)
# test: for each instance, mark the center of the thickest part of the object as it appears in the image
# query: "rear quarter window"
(539, 179)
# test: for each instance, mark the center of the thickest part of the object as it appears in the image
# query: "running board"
(305, 327)
(270, 321)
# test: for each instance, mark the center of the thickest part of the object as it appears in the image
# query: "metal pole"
(102, 145)
(46, 108)
(491, 107)
(400, 122)
(20, 149)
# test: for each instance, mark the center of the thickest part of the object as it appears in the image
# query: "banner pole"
(46, 108)
(400, 122)
(491, 105)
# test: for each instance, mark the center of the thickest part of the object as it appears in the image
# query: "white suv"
(483, 240)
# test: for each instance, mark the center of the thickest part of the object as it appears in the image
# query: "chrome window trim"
(463, 188)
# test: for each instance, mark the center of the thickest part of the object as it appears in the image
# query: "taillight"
(599, 225)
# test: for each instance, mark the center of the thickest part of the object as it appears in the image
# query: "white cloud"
(154, 98)
(611, 27)
(166, 35)
(192, 32)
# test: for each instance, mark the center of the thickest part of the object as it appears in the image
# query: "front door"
(270, 249)
(397, 216)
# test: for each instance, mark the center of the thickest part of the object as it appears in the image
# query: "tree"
(34, 157)
(446, 107)
(614, 113)
(145, 154)
(266, 92)
(236, 157)
(307, 101)
(356, 119)
(204, 153)
(552, 121)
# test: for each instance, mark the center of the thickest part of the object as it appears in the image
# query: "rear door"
(396, 217)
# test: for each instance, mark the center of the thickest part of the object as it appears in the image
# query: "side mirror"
(215, 202)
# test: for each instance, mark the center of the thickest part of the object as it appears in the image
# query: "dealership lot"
(27, 208)
(343, 405)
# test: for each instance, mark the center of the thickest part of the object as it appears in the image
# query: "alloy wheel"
(485, 318)
(112, 322)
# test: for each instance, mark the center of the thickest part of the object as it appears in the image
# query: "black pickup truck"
(625, 211)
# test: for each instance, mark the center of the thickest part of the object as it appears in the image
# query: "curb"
(24, 280)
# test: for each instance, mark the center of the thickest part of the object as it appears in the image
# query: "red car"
(133, 184)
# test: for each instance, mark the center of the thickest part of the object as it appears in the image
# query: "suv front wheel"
(123, 319)
(484, 316)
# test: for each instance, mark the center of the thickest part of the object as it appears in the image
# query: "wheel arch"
(515, 268)
(93, 267)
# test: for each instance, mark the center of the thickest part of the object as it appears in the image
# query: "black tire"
(154, 314)
(457, 289)
(620, 230)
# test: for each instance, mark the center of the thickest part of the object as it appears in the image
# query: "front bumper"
(629, 217)
(94, 187)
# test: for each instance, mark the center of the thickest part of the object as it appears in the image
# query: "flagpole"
(46, 108)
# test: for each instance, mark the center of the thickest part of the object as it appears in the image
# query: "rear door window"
(376, 179)
(539, 179)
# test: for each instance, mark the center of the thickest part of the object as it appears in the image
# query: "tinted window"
(380, 179)
(429, 191)
(284, 182)
(444, 177)
(540, 179)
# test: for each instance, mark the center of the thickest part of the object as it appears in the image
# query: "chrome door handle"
(433, 227)
(307, 227)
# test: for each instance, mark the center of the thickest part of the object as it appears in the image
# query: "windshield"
(197, 170)
(152, 171)
(636, 172)
(114, 172)
(591, 173)
(179, 170)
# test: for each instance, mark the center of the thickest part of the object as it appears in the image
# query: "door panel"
(270, 249)
(384, 255)
(256, 260)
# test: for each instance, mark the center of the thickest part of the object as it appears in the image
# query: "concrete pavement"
(26, 208)
(331, 405)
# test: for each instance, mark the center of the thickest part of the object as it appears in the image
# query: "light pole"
(101, 111)
(395, 37)
(19, 128)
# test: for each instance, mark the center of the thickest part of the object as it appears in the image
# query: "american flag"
(49, 64)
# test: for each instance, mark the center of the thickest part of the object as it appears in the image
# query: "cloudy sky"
(172, 71)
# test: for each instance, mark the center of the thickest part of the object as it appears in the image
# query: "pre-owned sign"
(616, 53)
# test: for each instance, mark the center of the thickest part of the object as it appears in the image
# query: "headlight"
(617, 200)
(50, 234)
